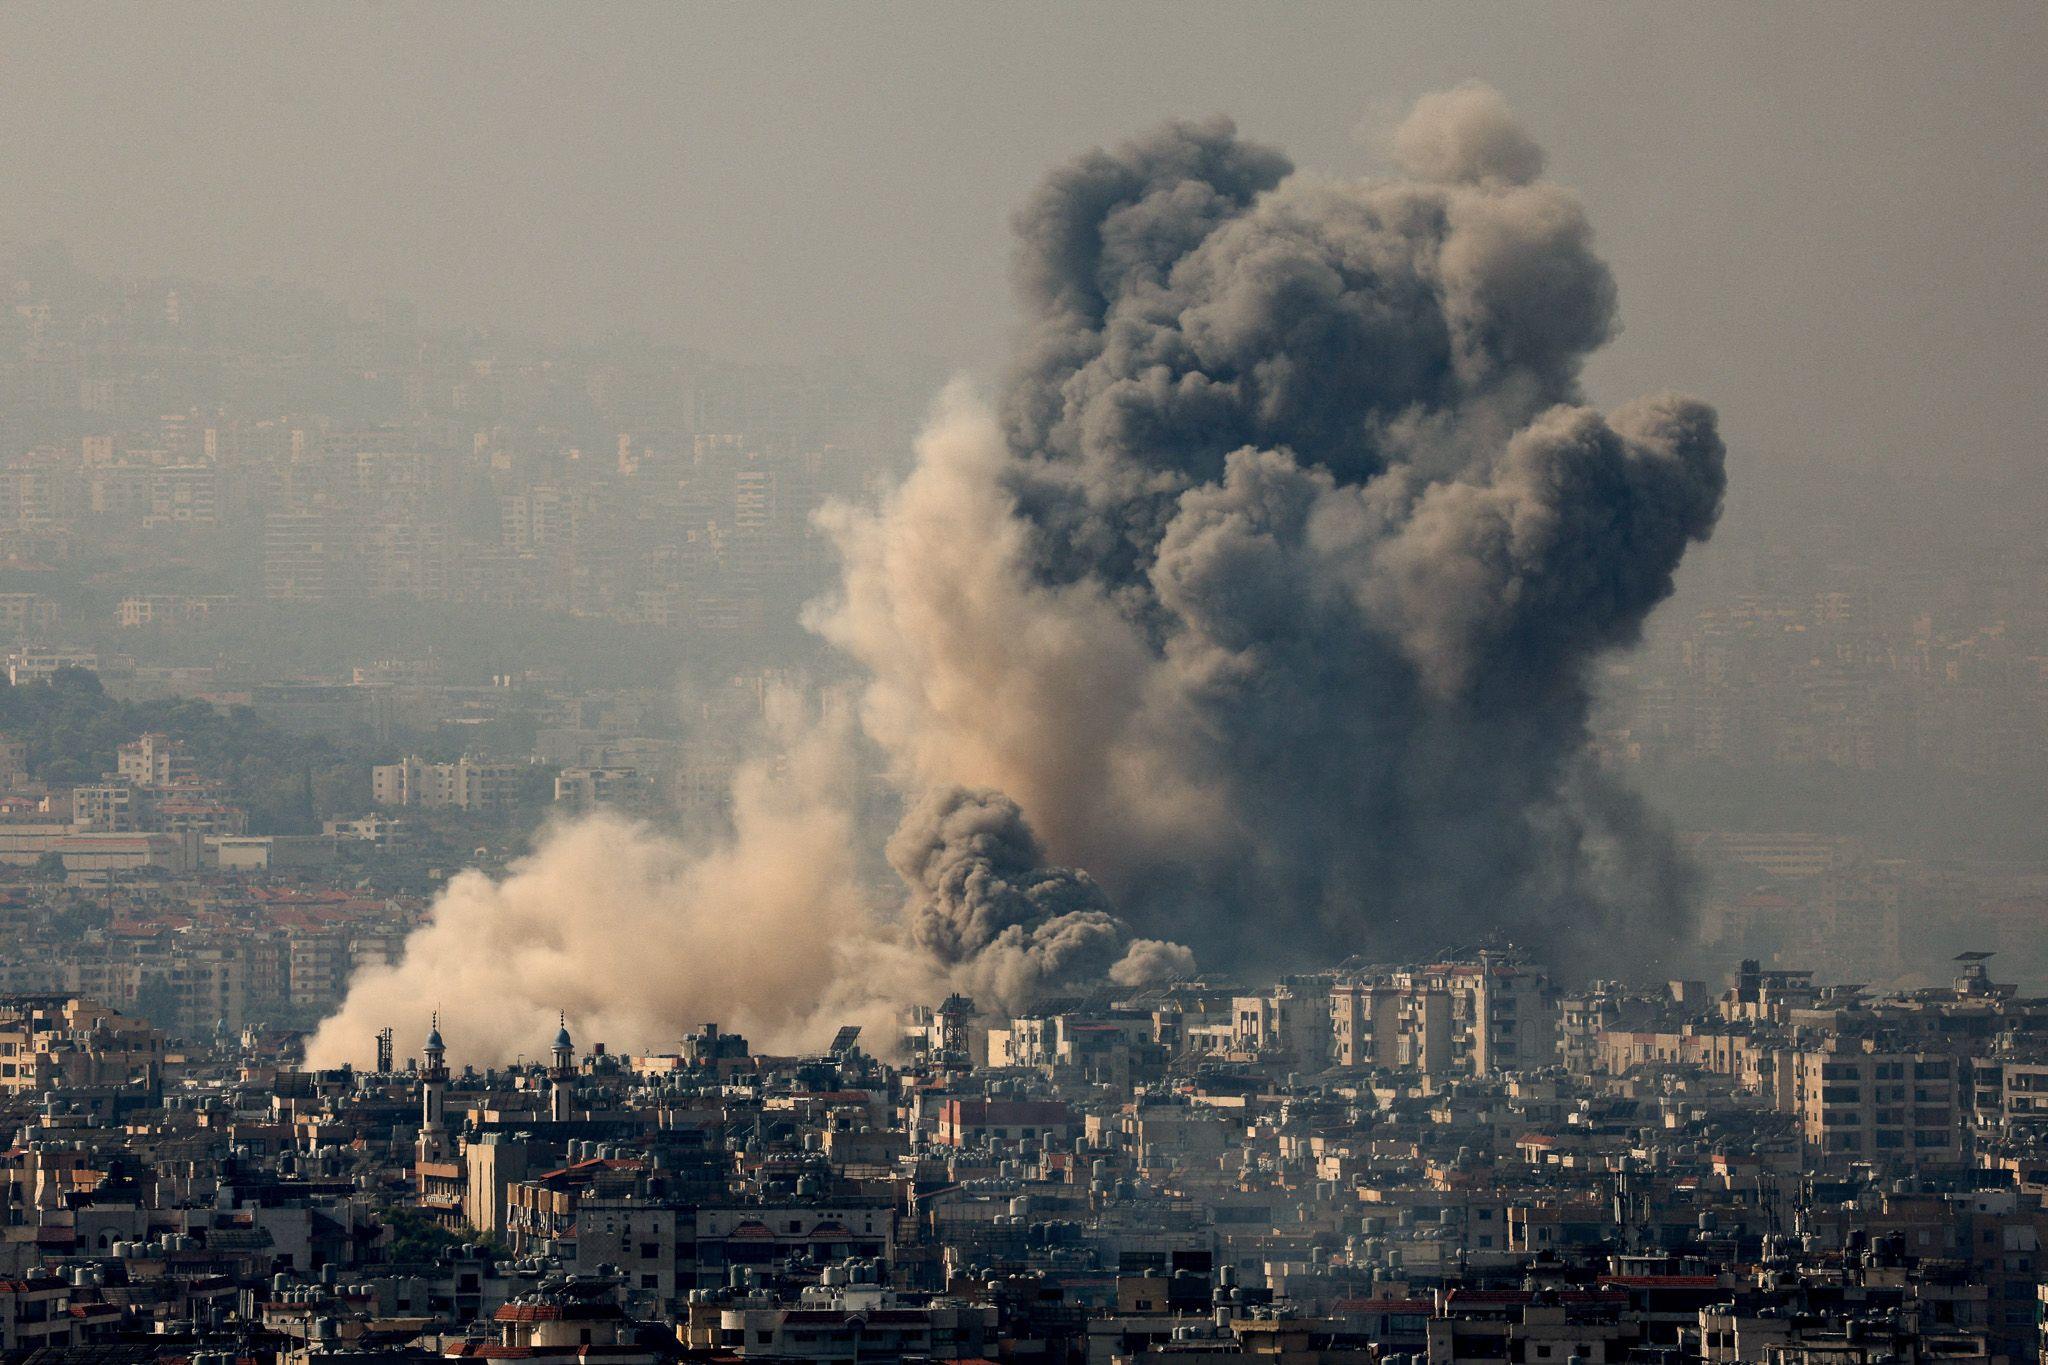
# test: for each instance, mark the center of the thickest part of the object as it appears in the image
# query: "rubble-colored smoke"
(1148, 961)
(638, 935)
(1269, 589)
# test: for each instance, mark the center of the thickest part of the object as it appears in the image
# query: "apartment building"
(1858, 1102)
(1382, 1024)
(1470, 1018)
(105, 807)
(1289, 1023)
(466, 784)
(155, 760)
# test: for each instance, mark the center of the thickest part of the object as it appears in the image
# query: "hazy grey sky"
(1826, 218)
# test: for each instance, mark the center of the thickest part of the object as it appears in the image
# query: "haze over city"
(1345, 684)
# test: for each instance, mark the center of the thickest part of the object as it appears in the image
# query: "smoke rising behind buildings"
(1269, 590)
(1265, 592)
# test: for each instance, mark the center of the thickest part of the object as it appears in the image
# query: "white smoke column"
(640, 937)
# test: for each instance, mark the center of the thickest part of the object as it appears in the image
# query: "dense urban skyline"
(1344, 686)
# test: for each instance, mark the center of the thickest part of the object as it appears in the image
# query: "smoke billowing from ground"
(985, 904)
(639, 936)
(1267, 593)
(1269, 590)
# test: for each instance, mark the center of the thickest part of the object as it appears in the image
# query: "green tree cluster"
(288, 783)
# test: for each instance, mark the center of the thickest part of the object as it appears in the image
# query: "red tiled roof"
(554, 1312)
(593, 1167)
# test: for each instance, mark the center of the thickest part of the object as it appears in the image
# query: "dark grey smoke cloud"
(985, 906)
(1304, 543)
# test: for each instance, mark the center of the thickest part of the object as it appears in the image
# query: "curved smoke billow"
(985, 904)
(1267, 593)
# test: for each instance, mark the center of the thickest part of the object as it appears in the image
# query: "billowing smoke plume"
(1150, 960)
(985, 903)
(1267, 593)
(638, 935)
(1269, 590)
